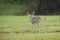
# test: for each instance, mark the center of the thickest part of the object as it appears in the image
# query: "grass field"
(20, 28)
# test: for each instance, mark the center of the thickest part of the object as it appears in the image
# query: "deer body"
(35, 20)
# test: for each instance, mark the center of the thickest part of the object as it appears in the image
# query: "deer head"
(30, 12)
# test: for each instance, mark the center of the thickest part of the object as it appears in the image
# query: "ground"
(20, 28)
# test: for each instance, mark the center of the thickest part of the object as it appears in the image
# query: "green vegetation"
(20, 28)
(13, 27)
(36, 36)
(13, 9)
(44, 6)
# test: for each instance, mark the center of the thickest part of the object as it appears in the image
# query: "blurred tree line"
(40, 6)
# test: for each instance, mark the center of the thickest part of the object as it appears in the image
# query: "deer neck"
(31, 17)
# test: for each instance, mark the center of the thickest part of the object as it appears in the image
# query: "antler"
(27, 12)
(30, 12)
(33, 12)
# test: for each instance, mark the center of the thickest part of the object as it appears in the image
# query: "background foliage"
(19, 7)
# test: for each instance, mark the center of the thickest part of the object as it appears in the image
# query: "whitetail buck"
(35, 20)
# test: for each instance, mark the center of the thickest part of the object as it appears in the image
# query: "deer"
(35, 20)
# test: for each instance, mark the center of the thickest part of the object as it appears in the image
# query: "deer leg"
(34, 25)
(37, 24)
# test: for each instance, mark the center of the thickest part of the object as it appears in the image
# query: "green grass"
(36, 36)
(20, 28)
